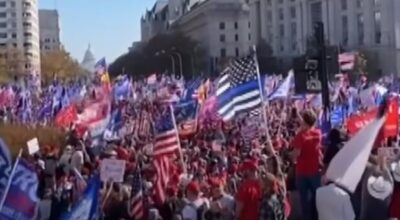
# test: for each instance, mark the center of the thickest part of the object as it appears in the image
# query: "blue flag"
(185, 111)
(21, 198)
(87, 207)
(5, 166)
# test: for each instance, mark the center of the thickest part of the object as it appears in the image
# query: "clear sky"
(110, 26)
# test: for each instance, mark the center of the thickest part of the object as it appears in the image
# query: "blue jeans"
(307, 186)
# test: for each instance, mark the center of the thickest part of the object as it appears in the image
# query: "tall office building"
(19, 33)
(371, 26)
(49, 27)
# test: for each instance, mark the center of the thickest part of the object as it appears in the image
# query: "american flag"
(166, 136)
(136, 206)
(162, 167)
(238, 89)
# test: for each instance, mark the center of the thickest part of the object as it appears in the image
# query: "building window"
(27, 24)
(249, 37)
(281, 30)
(293, 29)
(13, 14)
(360, 25)
(377, 2)
(249, 24)
(236, 37)
(345, 30)
(316, 12)
(3, 35)
(281, 16)
(223, 52)
(14, 35)
(222, 38)
(3, 15)
(222, 25)
(47, 40)
(3, 25)
(15, 45)
(3, 4)
(292, 12)
(281, 47)
(237, 52)
(236, 25)
(344, 5)
(269, 33)
(294, 45)
(269, 2)
(12, 4)
(280, 1)
(378, 27)
(359, 3)
(14, 24)
(269, 16)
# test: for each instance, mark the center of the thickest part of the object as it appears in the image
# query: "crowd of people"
(265, 178)
(222, 170)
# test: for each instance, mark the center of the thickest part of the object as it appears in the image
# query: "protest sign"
(33, 146)
(112, 170)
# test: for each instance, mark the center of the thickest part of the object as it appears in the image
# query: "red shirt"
(309, 143)
(249, 194)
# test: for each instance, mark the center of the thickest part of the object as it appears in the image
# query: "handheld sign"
(33, 146)
(112, 170)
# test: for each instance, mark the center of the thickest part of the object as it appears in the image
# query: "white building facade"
(19, 30)
(49, 26)
(372, 26)
(222, 27)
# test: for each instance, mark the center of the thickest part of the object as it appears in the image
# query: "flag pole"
(178, 139)
(264, 113)
(3, 199)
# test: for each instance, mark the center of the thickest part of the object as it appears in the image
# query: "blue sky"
(110, 26)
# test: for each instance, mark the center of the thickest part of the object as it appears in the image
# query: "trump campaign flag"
(86, 208)
(186, 117)
(21, 196)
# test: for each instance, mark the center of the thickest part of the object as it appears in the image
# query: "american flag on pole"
(136, 209)
(238, 89)
(166, 136)
(162, 167)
